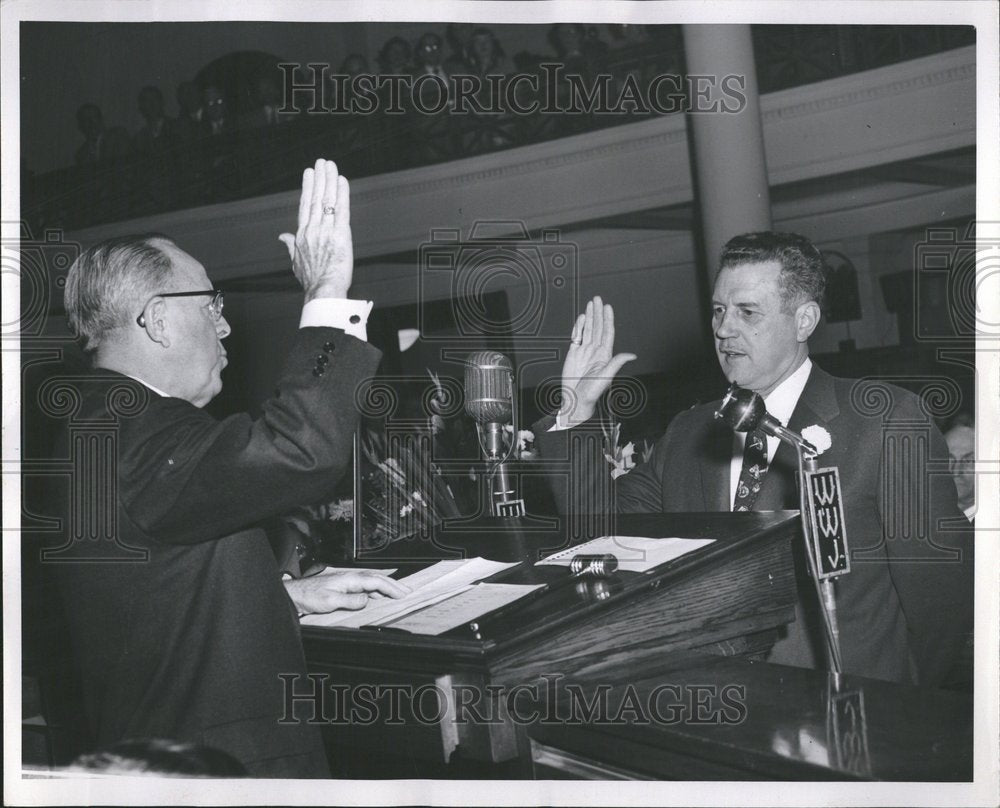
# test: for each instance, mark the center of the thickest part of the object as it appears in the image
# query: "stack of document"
(634, 553)
(451, 581)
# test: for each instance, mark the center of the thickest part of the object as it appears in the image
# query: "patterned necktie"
(753, 471)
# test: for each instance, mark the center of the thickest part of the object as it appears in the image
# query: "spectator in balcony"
(216, 120)
(100, 146)
(494, 129)
(158, 126)
(433, 135)
(429, 56)
(155, 149)
(102, 161)
(459, 36)
(267, 105)
(579, 49)
(581, 58)
(394, 58)
(353, 66)
(624, 36)
(487, 57)
(218, 146)
(190, 112)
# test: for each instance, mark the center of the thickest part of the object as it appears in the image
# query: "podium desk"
(461, 691)
(773, 723)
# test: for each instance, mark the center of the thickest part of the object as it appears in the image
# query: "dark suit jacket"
(905, 608)
(185, 635)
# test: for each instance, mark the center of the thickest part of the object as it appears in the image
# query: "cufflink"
(354, 319)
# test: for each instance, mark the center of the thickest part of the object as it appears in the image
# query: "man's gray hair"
(109, 283)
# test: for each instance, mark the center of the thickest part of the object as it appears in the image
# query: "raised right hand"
(590, 366)
(321, 251)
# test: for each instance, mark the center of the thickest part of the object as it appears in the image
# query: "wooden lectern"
(462, 691)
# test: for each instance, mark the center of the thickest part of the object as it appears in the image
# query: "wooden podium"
(463, 691)
(733, 719)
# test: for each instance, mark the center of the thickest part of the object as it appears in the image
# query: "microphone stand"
(824, 588)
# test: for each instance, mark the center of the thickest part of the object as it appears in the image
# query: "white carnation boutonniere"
(818, 437)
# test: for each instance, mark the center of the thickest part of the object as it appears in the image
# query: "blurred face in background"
(961, 442)
(429, 50)
(215, 104)
(482, 48)
(188, 98)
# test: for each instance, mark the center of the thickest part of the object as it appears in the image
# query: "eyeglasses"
(214, 305)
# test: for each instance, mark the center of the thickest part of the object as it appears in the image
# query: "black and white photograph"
(501, 403)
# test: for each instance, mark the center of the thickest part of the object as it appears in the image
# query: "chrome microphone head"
(742, 409)
(489, 387)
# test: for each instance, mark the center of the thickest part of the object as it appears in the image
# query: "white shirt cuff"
(970, 512)
(338, 312)
(559, 425)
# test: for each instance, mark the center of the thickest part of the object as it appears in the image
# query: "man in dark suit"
(180, 622)
(905, 608)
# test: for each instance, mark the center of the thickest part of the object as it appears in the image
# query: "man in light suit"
(905, 608)
(180, 622)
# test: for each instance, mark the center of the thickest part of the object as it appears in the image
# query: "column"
(728, 161)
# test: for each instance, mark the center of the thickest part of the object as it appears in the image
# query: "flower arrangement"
(525, 443)
(818, 437)
(620, 458)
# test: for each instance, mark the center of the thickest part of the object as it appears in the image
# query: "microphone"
(489, 400)
(744, 411)
(489, 386)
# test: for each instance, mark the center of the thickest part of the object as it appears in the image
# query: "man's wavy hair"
(803, 272)
(108, 284)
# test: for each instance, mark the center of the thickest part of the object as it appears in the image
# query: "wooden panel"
(795, 724)
(727, 597)
(746, 593)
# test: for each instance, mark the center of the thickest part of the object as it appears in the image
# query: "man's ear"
(155, 322)
(806, 319)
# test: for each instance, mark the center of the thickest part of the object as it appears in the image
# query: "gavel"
(594, 566)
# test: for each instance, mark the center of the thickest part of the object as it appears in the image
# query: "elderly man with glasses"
(180, 622)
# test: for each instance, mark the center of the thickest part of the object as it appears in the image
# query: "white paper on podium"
(429, 585)
(342, 570)
(464, 607)
(634, 553)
